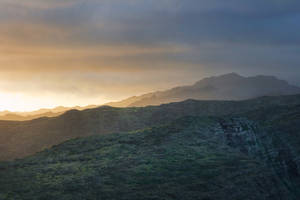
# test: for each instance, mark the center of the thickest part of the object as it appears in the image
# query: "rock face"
(270, 145)
(240, 133)
(226, 87)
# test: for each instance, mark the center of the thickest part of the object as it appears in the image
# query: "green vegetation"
(182, 160)
(166, 153)
(20, 139)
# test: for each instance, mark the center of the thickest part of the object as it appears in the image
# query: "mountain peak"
(231, 86)
(229, 76)
(232, 75)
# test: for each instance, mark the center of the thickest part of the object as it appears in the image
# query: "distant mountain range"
(24, 116)
(15, 117)
(225, 87)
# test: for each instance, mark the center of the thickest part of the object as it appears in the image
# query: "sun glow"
(17, 102)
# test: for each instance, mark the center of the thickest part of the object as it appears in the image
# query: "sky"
(81, 52)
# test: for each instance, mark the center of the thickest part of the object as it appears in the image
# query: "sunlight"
(17, 102)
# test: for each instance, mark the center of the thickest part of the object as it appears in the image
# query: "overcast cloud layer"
(92, 51)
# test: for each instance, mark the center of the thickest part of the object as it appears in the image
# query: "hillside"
(16, 117)
(24, 116)
(19, 139)
(225, 87)
(252, 155)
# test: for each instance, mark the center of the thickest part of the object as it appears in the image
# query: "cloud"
(146, 22)
(38, 4)
(119, 48)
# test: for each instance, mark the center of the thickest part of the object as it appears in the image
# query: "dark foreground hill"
(252, 155)
(225, 87)
(19, 139)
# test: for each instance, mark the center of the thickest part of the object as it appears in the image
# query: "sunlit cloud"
(98, 51)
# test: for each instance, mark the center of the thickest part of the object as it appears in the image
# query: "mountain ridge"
(230, 86)
(43, 112)
(19, 139)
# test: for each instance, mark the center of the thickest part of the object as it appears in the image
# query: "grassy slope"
(19, 139)
(254, 155)
(183, 160)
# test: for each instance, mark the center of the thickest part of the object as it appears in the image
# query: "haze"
(80, 52)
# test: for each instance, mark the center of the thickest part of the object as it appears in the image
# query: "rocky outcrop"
(277, 154)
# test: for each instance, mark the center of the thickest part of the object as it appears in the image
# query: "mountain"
(225, 87)
(15, 117)
(253, 155)
(24, 116)
(20, 139)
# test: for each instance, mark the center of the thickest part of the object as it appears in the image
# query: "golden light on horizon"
(17, 102)
(14, 102)
(77, 52)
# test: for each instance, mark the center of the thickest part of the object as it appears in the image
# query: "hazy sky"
(78, 52)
